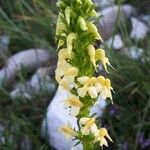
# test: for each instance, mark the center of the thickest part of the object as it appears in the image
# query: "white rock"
(31, 59)
(139, 30)
(21, 91)
(115, 42)
(145, 19)
(57, 116)
(41, 80)
(104, 3)
(135, 52)
(111, 15)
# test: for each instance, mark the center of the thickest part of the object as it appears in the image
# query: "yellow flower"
(87, 87)
(75, 104)
(67, 81)
(61, 41)
(64, 54)
(100, 55)
(68, 132)
(62, 66)
(70, 38)
(104, 87)
(93, 30)
(82, 23)
(60, 27)
(91, 52)
(68, 14)
(88, 125)
(100, 136)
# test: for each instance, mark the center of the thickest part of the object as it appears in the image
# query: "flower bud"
(82, 23)
(91, 52)
(70, 38)
(93, 30)
(60, 26)
(68, 14)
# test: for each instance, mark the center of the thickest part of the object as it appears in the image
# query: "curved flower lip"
(89, 125)
(70, 38)
(64, 54)
(74, 103)
(100, 135)
(67, 131)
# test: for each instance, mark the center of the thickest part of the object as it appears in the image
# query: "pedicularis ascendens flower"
(76, 35)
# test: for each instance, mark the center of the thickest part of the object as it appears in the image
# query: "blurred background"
(28, 60)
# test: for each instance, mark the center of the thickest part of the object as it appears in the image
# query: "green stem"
(87, 145)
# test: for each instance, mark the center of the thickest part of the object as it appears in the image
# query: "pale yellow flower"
(82, 23)
(104, 87)
(67, 81)
(74, 103)
(93, 30)
(68, 132)
(88, 125)
(70, 38)
(61, 41)
(64, 54)
(100, 136)
(88, 87)
(100, 55)
(60, 26)
(62, 66)
(68, 14)
(82, 80)
(91, 52)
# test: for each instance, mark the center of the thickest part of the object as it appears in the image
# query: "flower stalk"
(76, 35)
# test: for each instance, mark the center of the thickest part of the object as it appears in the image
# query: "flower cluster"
(78, 59)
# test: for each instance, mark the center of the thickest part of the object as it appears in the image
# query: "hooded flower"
(88, 125)
(64, 54)
(67, 131)
(67, 81)
(91, 52)
(74, 103)
(100, 136)
(104, 87)
(70, 38)
(61, 27)
(68, 14)
(62, 66)
(100, 55)
(93, 30)
(82, 23)
(88, 86)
